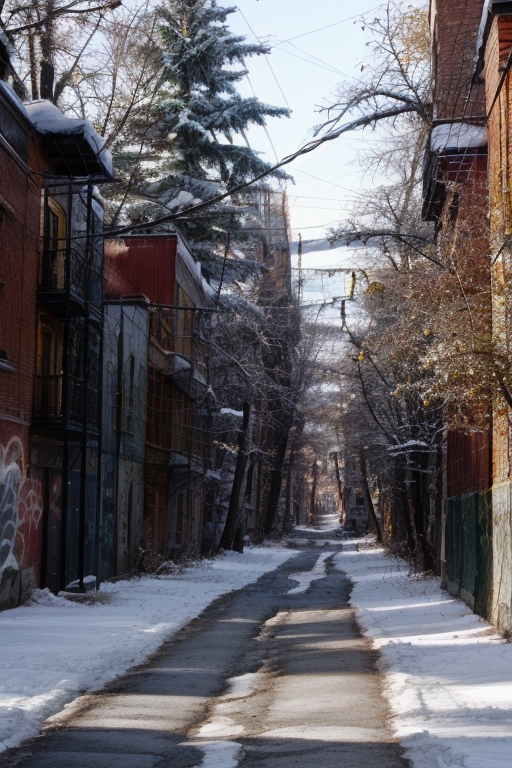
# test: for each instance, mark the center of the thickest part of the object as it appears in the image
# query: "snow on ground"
(448, 673)
(53, 649)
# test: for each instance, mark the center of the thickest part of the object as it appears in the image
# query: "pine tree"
(203, 108)
(196, 126)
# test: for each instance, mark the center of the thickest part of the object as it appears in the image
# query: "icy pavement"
(53, 650)
(448, 673)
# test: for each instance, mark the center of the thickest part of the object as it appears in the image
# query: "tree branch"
(67, 10)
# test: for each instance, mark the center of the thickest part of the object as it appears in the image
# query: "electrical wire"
(320, 208)
(266, 59)
(324, 65)
(313, 197)
(328, 26)
(265, 128)
(347, 189)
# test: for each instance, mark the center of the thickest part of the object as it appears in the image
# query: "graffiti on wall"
(21, 507)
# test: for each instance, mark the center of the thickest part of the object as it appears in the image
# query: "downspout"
(65, 397)
(119, 425)
(85, 407)
(99, 417)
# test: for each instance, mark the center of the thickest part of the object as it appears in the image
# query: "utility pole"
(299, 286)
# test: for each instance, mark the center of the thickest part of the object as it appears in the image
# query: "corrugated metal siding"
(142, 265)
(469, 547)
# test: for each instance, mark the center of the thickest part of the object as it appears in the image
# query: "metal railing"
(83, 277)
(49, 403)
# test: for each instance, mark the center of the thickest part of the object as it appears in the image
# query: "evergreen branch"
(361, 122)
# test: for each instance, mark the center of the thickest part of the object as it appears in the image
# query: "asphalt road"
(272, 676)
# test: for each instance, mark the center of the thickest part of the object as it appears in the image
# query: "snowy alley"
(258, 659)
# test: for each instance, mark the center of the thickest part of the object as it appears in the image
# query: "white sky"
(304, 86)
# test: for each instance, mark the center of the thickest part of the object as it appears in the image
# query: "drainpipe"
(65, 399)
(85, 408)
(119, 426)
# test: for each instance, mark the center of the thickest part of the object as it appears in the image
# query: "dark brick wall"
(454, 31)
(19, 256)
(21, 506)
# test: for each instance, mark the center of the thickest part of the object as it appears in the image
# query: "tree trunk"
(233, 517)
(312, 500)
(368, 498)
(338, 477)
(288, 514)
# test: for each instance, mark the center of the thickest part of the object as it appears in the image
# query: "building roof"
(75, 147)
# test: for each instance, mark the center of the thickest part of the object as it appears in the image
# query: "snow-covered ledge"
(457, 137)
(48, 120)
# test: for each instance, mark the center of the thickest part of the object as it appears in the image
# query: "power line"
(305, 149)
(313, 197)
(266, 59)
(328, 26)
(327, 67)
(317, 226)
(324, 63)
(319, 207)
(347, 189)
(265, 128)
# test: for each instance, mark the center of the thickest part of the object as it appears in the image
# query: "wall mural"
(21, 508)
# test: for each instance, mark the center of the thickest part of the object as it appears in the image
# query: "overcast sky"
(303, 75)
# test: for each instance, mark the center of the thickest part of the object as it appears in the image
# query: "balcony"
(67, 281)
(52, 411)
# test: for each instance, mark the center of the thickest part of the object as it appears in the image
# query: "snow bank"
(53, 649)
(449, 674)
(457, 136)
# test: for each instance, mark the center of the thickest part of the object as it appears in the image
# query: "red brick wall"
(500, 198)
(19, 239)
(454, 28)
(21, 505)
(142, 265)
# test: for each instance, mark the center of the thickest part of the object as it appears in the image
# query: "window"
(48, 384)
(159, 420)
(128, 394)
(52, 273)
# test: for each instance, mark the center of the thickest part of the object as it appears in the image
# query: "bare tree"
(51, 38)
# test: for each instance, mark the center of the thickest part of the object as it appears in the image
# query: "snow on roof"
(457, 136)
(11, 96)
(48, 120)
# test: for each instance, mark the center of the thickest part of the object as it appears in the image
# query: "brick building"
(161, 268)
(21, 507)
(472, 60)
(493, 63)
(50, 417)
(456, 199)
